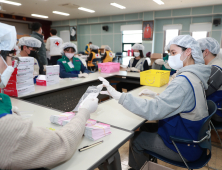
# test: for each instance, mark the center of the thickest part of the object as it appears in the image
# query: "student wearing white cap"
(181, 108)
(136, 64)
(211, 48)
(70, 66)
(108, 56)
(30, 47)
(25, 146)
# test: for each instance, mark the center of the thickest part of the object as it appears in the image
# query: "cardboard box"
(21, 77)
(43, 81)
(153, 166)
(23, 70)
(19, 92)
(55, 69)
(26, 61)
(21, 84)
(155, 56)
(52, 77)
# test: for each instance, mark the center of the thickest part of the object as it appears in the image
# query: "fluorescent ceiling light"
(159, 2)
(10, 2)
(40, 16)
(85, 9)
(118, 5)
(60, 13)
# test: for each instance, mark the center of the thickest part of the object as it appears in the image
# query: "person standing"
(87, 49)
(37, 33)
(53, 45)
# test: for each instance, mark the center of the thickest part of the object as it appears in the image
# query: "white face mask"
(136, 54)
(175, 62)
(6, 75)
(69, 55)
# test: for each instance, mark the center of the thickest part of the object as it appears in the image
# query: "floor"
(215, 162)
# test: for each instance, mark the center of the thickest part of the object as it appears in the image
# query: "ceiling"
(102, 7)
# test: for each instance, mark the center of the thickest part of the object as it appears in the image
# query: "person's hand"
(15, 110)
(110, 90)
(128, 69)
(134, 69)
(148, 93)
(84, 75)
(90, 105)
(166, 65)
(160, 62)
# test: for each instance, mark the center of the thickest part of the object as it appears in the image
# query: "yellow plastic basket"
(156, 78)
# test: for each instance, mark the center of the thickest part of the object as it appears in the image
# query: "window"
(129, 39)
(169, 35)
(199, 34)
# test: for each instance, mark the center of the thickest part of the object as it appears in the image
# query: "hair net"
(138, 47)
(68, 45)
(107, 48)
(30, 42)
(209, 43)
(167, 47)
(148, 54)
(7, 37)
(93, 47)
(187, 41)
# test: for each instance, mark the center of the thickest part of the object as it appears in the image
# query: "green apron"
(75, 61)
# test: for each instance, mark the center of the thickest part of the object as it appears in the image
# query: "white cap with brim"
(7, 37)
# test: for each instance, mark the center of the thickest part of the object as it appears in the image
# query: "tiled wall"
(90, 29)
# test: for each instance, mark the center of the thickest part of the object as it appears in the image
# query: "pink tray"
(108, 67)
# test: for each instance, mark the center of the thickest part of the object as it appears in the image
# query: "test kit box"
(20, 92)
(55, 69)
(24, 70)
(26, 61)
(21, 84)
(45, 80)
(21, 77)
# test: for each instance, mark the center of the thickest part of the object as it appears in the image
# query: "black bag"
(215, 80)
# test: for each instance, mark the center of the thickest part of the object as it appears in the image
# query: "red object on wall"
(46, 25)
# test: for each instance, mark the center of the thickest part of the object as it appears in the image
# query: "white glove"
(128, 69)
(134, 69)
(90, 105)
(44, 67)
(110, 90)
(84, 75)
(166, 65)
(15, 110)
(160, 62)
(148, 92)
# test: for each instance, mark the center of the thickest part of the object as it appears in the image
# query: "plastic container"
(108, 67)
(156, 78)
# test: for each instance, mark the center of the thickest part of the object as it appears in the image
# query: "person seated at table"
(136, 64)
(27, 146)
(211, 48)
(139, 62)
(181, 108)
(162, 64)
(108, 56)
(70, 66)
(93, 55)
(29, 47)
